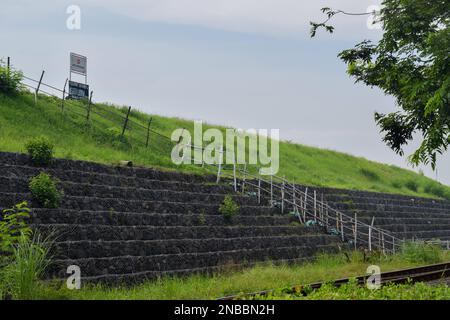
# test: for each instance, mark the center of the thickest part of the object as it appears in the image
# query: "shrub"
(13, 225)
(437, 190)
(40, 150)
(9, 80)
(412, 185)
(114, 136)
(45, 191)
(369, 174)
(228, 208)
(420, 252)
(30, 258)
(396, 185)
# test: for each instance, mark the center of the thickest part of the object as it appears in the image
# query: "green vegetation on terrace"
(101, 141)
(261, 277)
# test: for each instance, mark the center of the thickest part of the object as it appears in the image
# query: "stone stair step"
(65, 216)
(133, 264)
(20, 176)
(391, 207)
(125, 205)
(102, 249)
(414, 202)
(119, 279)
(70, 232)
(102, 191)
(22, 160)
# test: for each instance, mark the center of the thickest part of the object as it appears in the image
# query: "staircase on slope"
(404, 216)
(128, 224)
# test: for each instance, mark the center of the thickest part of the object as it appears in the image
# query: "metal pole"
(326, 215)
(315, 206)
(220, 165)
(379, 239)
(337, 221)
(38, 87)
(234, 175)
(393, 244)
(243, 179)
(282, 197)
(8, 66)
(370, 233)
(89, 107)
(259, 189)
(342, 228)
(126, 121)
(293, 196)
(356, 230)
(271, 190)
(148, 131)
(305, 204)
(382, 241)
(63, 96)
(321, 208)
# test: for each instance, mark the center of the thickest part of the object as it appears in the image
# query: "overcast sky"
(241, 63)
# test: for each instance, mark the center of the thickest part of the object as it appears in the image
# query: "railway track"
(426, 273)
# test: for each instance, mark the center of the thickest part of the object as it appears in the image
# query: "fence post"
(326, 215)
(337, 221)
(315, 206)
(370, 234)
(342, 227)
(271, 190)
(282, 197)
(63, 96)
(234, 174)
(393, 244)
(321, 207)
(382, 241)
(243, 179)
(305, 204)
(148, 131)
(220, 164)
(89, 107)
(8, 66)
(293, 196)
(126, 121)
(259, 189)
(448, 245)
(356, 230)
(379, 239)
(38, 87)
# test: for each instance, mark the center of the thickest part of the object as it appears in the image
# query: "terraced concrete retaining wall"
(131, 224)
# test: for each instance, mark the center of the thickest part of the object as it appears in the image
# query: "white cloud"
(275, 17)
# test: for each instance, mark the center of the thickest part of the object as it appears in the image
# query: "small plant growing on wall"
(229, 208)
(40, 150)
(201, 218)
(13, 224)
(45, 191)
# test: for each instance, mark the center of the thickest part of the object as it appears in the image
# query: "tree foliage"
(411, 63)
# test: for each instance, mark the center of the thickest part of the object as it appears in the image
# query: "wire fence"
(117, 123)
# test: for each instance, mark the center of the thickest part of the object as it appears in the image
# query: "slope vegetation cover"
(100, 140)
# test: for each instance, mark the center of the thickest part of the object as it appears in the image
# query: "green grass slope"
(100, 141)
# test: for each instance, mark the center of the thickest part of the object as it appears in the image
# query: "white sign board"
(78, 63)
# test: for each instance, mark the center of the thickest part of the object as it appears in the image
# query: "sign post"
(78, 65)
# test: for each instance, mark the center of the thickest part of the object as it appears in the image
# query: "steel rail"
(417, 274)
